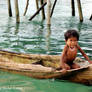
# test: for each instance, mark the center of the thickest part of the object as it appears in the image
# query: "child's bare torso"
(70, 54)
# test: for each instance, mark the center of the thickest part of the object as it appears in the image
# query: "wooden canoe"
(42, 67)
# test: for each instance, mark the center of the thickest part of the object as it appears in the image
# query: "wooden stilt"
(48, 12)
(73, 7)
(26, 8)
(43, 13)
(17, 11)
(9, 9)
(53, 8)
(80, 11)
(37, 5)
(38, 11)
(91, 17)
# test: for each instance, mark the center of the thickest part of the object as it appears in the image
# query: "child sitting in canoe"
(70, 51)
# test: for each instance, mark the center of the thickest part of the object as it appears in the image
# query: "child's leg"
(66, 66)
(74, 66)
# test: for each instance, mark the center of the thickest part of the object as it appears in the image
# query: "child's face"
(72, 42)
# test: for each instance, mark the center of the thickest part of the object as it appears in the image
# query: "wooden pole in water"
(53, 8)
(43, 13)
(9, 8)
(80, 11)
(37, 5)
(91, 17)
(48, 13)
(26, 8)
(73, 7)
(17, 11)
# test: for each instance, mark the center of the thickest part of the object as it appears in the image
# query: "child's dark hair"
(71, 33)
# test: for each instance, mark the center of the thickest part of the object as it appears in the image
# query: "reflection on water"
(17, 29)
(48, 39)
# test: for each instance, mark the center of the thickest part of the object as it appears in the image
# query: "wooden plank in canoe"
(36, 71)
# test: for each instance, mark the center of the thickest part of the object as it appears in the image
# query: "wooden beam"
(48, 12)
(17, 11)
(80, 10)
(43, 13)
(73, 7)
(37, 5)
(26, 7)
(53, 8)
(91, 17)
(9, 9)
(38, 11)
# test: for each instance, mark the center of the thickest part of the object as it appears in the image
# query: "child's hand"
(90, 62)
(67, 67)
(63, 71)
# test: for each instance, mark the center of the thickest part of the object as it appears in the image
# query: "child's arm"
(84, 54)
(63, 57)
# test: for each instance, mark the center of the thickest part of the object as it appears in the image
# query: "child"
(70, 51)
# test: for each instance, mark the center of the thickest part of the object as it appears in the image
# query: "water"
(33, 37)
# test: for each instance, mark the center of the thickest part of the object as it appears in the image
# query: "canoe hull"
(25, 64)
(35, 71)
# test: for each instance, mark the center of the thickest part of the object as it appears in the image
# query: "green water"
(17, 83)
(34, 37)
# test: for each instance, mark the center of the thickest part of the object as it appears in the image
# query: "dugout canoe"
(42, 67)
